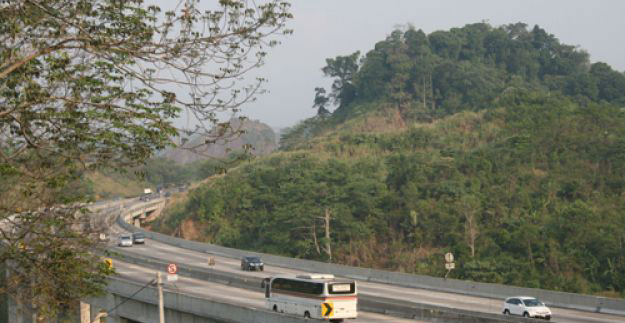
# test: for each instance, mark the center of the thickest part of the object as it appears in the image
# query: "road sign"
(172, 278)
(450, 265)
(449, 257)
(172, 269)
(108, 262)
(327, 309)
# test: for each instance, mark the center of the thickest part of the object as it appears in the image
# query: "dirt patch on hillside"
(189, 230)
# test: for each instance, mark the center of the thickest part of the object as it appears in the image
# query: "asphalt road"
(423, 296)
(223, 293)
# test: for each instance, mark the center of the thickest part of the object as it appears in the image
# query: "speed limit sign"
(449, 257)
(172, 269)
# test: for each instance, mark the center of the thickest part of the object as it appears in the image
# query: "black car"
(138, 237)
(252, 263)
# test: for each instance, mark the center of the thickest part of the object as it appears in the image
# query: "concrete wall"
(179, 307)
(553, 298)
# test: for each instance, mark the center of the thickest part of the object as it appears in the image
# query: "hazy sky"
(327, 28)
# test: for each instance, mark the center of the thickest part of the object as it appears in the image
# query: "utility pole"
(161, 307)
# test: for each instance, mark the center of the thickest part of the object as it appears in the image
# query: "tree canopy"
(499, 144)
(98, 83)
(469, 68)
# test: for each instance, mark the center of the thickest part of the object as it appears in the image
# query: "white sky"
(327, 28)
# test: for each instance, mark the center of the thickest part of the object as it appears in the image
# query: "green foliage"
(518, 169)
(86, 85)
(468, 68)
(342, 68)
(539, 200)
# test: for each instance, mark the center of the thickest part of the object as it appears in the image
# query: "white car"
(125, 241)
(526, 307)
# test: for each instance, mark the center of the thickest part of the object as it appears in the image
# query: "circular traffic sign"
(449, 257)
(172, 269)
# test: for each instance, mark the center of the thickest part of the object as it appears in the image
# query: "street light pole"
(161, 307)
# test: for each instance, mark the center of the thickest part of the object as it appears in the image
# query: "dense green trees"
(519, 169)
(342, 68)
(537, 204)
(468, 68)
(87, 84)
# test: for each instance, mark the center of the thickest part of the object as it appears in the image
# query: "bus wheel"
(307, 314)
(275, 308)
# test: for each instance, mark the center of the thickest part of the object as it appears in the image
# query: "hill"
(259, 137)
(500, 160)
(426, 77)
(190, 164)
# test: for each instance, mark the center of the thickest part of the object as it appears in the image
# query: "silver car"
(125, 240)
(526, 307)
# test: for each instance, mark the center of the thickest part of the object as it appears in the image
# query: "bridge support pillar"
(98, 308)
(85, 313)
(137, 223)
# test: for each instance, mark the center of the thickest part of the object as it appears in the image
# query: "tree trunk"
(314, 235)
(328, 249)
(471, 230)
(425, 108)
(432, 93)
(529, 251)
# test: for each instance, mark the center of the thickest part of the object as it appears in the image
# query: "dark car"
(252, 263)
(138, 237)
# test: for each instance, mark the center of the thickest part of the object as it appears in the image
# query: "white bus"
(319, 296)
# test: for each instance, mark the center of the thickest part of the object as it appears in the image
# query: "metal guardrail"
(368, 303)
(496, 291)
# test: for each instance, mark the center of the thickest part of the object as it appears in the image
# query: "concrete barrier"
(375, 304)
(177, 304)
(205, 274)
(553, 298)
(430, 313)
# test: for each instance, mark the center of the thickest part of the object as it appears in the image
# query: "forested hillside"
(470, 68)
(241, 135)
(498, 144)
(196, 160)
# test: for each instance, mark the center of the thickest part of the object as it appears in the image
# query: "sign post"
(449, 263)
(172, 269)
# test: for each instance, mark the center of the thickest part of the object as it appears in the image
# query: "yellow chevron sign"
(327, 309)
(108, 262)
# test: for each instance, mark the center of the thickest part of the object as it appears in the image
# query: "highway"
(451, 300)
(223, 293)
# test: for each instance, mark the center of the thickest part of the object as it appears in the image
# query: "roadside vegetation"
(86, 86)
(499, 144)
